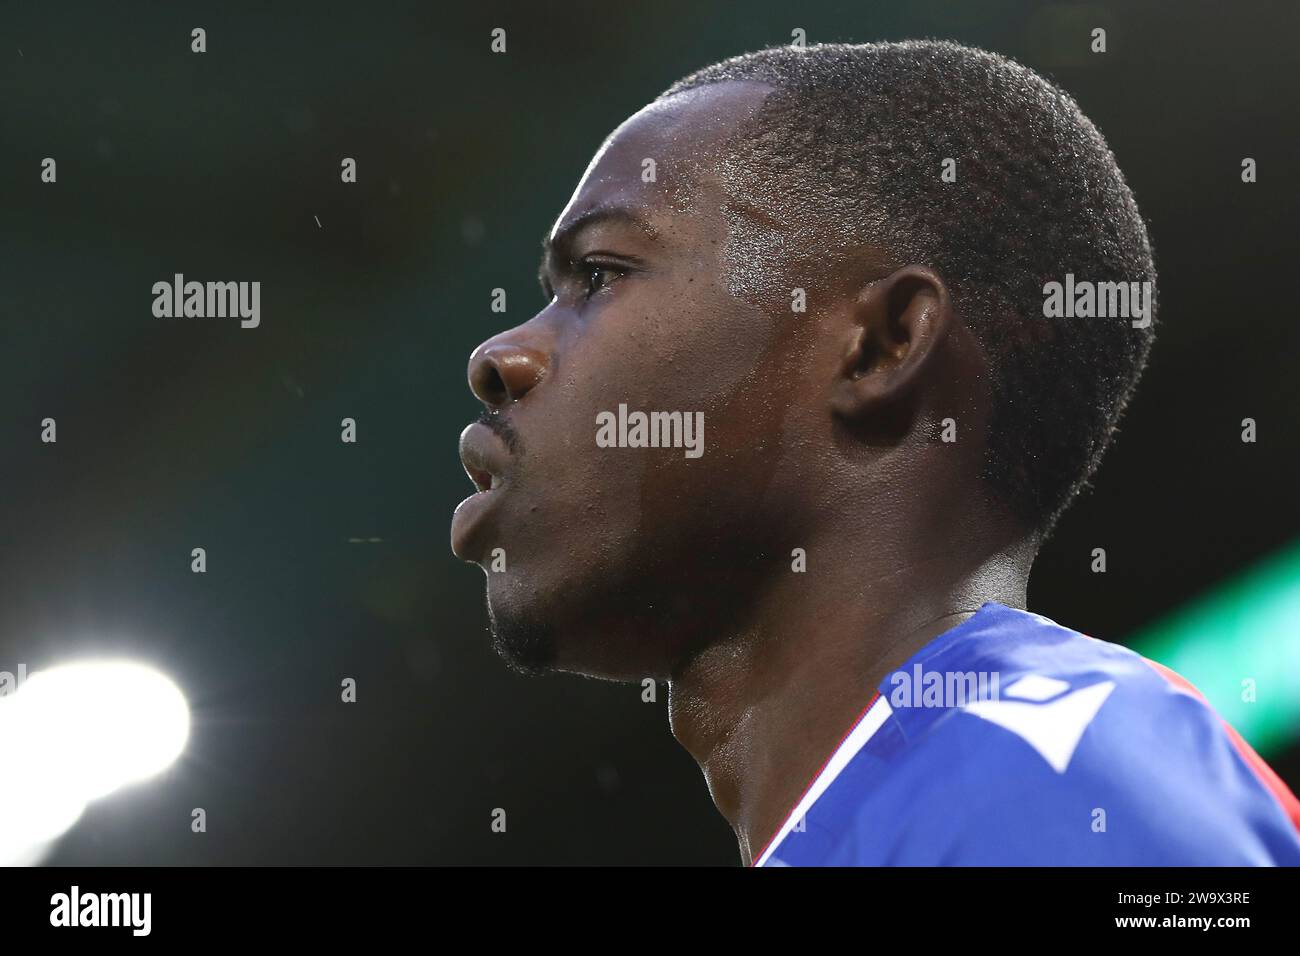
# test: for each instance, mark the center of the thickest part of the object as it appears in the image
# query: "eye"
(598, 275)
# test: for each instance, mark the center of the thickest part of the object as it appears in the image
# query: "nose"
(501, 371)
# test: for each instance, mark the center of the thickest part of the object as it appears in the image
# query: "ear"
(898, 325)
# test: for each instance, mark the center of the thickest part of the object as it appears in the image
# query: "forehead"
(665, 156)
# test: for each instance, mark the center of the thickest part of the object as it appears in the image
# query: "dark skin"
(821, 433)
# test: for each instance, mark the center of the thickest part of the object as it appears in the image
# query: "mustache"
(504, 430)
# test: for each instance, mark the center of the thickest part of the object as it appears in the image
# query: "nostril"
(493, 387)
(500, 374)
(486, 382)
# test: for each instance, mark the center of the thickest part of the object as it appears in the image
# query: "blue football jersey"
(1010, 740)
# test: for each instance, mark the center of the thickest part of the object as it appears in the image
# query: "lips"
(486, 460)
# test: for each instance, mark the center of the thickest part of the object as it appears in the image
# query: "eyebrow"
(563, 239)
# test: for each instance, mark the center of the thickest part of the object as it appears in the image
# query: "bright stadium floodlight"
(74, 733)
(1240, 645)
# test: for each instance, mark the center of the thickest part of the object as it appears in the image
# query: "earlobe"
(899, 324)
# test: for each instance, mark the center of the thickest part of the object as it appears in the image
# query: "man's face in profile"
(615, 560)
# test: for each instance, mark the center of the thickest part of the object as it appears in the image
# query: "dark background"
(178, 434)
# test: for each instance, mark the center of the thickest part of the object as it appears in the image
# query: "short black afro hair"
(863, 131)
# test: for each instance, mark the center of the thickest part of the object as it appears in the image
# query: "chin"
(525, 642)
(577, 623)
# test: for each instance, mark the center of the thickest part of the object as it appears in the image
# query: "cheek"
(716, 358)
(695, 351)
(677, 342)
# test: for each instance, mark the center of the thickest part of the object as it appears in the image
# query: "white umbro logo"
(1044, 716)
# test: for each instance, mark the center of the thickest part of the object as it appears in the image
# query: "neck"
(762, 708)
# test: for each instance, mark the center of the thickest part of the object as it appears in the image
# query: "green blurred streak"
(1245, 629)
